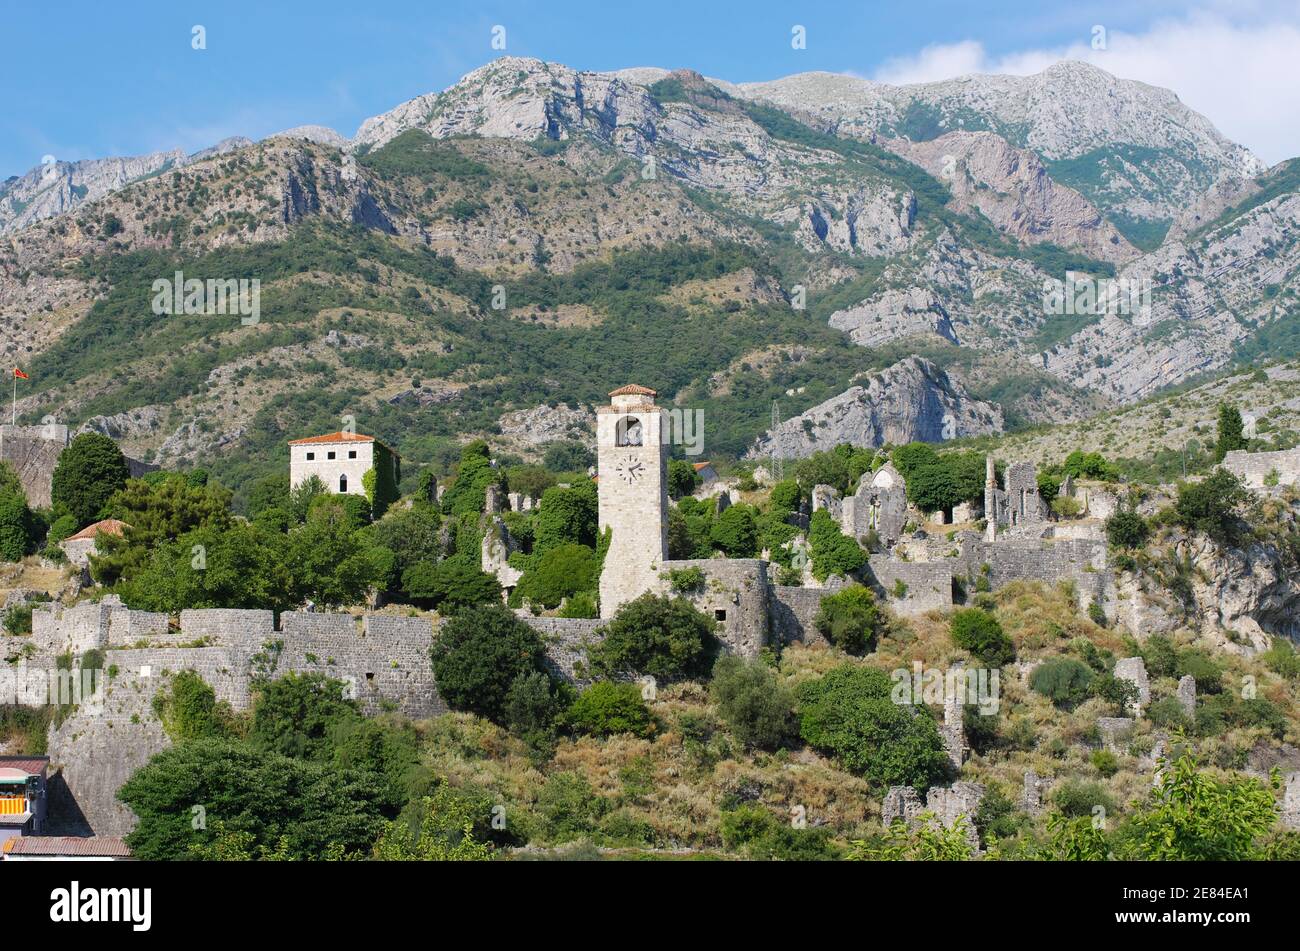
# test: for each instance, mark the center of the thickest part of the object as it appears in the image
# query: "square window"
(352, 453)
(311, 456)
(329, 455)
(720, 614)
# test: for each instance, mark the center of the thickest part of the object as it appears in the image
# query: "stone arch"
(629, 431)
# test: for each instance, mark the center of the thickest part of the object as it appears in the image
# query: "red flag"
(19, 374)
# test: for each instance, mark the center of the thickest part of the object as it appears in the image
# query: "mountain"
(54, 187)
(534, 235)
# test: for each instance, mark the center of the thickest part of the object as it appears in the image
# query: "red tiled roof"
(702, 465)
(332, 437)
(98, 846)
(109, 526)
(31, 765)
(633, 389)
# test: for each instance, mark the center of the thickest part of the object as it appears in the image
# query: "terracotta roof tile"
(32, 765)
(96, 845)
(332, 437)
(110, 526)
(633, 389)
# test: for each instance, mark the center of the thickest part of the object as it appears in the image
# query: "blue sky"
(89, 79)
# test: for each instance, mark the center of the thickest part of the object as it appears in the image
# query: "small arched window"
(343, 483)
(628, 432)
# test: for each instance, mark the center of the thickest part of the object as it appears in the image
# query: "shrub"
(756, 706)
(1117, 692)
(583, 604)
(1104, 762)
(850, 619)
(1127, 530)
(850, 713)
(1282, 659)
(1167, 714)
(1078, 798)
(1209, 678)
(685, 580)
(682, 478)
(1063, 680)
(760, 835)
(664, 637)
(451, 584)
(833, 552)
(533, 705)
(189, 709)
(477, 656)
(735, 533)
(606, 708)
(569, 807)
(978, 631)
(558, 573)
(294, 714)
(1210, 506)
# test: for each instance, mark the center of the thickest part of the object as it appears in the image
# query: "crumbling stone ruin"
(960, 801)
(1134, 670)
(1019, 503)
(1115, 732)
(1187, 694)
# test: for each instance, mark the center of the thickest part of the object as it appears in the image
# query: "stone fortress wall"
(1254, 468)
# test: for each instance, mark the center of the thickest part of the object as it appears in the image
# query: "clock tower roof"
(633, 389)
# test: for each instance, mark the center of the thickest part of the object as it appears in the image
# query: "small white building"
(340, 460)
(79, 547)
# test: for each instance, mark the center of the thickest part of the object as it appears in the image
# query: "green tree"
(443, 830)
(682, 478)
(451, 585)
(477, 656)
(18, 526)
(243, 566)
(1127, 529)
(664, 637)
(850, 619)
(735, 533)
(1210, 506)
(1193, 816)
(978, 631)
(850, 713)
(293, 715)
(833, 552)
(1230, 436)
(567, 516)
(306, 810)
(558, 573)
(467, 494)
(755, 705)
(157, 512)
(88, 472)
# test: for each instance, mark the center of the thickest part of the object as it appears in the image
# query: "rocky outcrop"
(911, 400)
(1011, 187)
(543, 424)
(895, 315)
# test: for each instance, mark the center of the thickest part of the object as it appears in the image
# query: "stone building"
(79, 547)
(633, 494)
(1019, 503)
(341, 461)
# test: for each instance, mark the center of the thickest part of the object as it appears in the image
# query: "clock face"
(630, 470)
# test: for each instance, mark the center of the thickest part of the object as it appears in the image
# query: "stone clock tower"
(633, 494)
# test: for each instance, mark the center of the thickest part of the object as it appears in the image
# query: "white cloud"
(1243, 76)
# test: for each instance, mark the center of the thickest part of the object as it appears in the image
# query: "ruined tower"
(633, 494)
